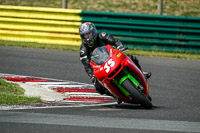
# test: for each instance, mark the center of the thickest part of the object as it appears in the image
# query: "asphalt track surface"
(174, 87)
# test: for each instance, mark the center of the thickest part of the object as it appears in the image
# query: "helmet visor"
(87, 35)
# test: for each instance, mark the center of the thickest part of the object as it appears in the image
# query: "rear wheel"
(136, 94)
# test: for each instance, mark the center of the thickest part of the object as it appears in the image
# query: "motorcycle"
(120, 76)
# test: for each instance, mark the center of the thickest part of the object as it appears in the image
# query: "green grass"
(11, 93)
(170, 7)
(77, 48)
(38, 45)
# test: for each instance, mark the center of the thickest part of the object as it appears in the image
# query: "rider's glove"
(121, 48)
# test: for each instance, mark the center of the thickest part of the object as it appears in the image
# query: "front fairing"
(105, 61)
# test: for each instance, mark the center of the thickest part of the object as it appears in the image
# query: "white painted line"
(101, 122)
(82, 104)
(72, 86)
(83, 93)
(49, 83)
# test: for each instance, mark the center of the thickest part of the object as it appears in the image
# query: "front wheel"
(136, 94)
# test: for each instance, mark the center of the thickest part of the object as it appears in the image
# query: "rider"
(91, 39)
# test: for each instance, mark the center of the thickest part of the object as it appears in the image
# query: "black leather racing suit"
(85, 54)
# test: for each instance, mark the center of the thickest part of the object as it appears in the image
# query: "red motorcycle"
(117, 72)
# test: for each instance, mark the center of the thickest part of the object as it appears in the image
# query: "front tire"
(136, 94)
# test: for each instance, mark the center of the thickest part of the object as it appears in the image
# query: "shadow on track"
(131, 106)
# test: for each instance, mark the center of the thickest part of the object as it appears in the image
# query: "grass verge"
(170, 7)
(11, 93)
(76, 48)
(38, 45)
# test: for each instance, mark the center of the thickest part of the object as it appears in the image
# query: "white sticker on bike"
(108, 65)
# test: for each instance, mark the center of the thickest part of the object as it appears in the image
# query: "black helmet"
(88, 33)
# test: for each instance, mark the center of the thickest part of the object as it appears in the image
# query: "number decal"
(108, 65)
(111, 63)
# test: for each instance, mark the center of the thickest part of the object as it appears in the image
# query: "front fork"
(127, 75)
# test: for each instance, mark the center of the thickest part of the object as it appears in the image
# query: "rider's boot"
(136, 61)
(147, 74)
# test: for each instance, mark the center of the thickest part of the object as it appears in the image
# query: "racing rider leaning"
(91, 39)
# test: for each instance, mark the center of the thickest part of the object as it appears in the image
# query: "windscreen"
(100, 55)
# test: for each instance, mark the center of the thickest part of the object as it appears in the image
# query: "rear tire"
(136, 94)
